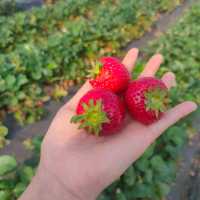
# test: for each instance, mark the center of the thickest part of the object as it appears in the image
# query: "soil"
(185, 187)
(161, 26)
(28, 4)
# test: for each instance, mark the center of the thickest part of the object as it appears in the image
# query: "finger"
(130, 59)
(136, 137)
(152, 66)
(75, 99)
(172, 116)
(129, 145)
(169, 79)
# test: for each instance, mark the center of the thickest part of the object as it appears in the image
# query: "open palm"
(84, 164)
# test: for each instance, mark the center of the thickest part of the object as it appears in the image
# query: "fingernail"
(193, 105)
(173, 80)
(160, 57)
(135, 50)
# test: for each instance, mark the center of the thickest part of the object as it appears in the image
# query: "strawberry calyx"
(92, 118)
(96, 69)
(156, 100)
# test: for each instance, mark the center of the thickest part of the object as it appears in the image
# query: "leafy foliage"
(45, 50)
(7, 7)
(15, 178)
(7, 164)
(165, 5)
(181, 52)
(150, 177)
(156, 169)
(3, 134)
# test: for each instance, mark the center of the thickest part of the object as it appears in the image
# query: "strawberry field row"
(45, 51)
(48, 49)
(151, 176)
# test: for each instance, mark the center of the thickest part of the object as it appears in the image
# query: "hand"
(77, 165)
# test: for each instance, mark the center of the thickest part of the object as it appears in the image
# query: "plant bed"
(185, 181)
(34, 47)
(151, 176)
(19, 133)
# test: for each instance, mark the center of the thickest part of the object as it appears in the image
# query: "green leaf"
(37, 141)
(143, 191)
(103, 197)
(36, 75)
(7, 164)
(149, 152)
(138, 69)
(3, 131)
(10, 81)
(54, 40)
(21, 80)
(21, 95)
(5, 195)
(176, 135)
(163, 189)
(130, 176)
(119, 195)
(19, 189)
(158, 163)
(2, 85)
(26, 174)
(148, 177)
(6, 184)
(142, 164)
(3, 142)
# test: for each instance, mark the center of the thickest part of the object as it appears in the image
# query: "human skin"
(75, 165)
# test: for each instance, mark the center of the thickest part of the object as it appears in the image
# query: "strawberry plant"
(180, 49)
(165, 5)
(15, 177)
(7, 7)
(87, 33)
(3, 134)
(47, 48)
(148, 178)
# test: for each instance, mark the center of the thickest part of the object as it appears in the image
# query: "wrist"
(46, 187)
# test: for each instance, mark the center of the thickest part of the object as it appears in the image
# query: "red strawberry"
(110, 74)
(147, 99)
(100, 112)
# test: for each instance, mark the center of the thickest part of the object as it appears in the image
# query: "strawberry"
(109, 73)
(147, 99)
(100, 111)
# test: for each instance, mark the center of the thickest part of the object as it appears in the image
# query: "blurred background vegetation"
(48, 49)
